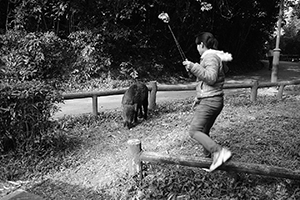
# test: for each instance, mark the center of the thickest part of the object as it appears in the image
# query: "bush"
(25, 109)
(35, 56)
(91, 59)
(32, 68)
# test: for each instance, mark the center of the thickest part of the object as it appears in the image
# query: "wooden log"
(69, 96)
(176, 87)
(194, 85)
(229, 166)
(293, 82)
(152, 103)
(238, 85)
(134, 162)
(175, 160)
(267, 84)
(274, 84)
(91, 94)
(154, 88)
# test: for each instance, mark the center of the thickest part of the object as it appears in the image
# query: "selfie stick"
(165, 18)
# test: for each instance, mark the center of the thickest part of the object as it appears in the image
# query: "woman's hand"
(188, 65)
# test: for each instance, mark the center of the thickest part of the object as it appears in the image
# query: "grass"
(85, 157)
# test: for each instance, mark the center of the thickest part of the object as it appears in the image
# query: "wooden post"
(95, 104)
(254, 90)
(153, 92)
(134, 161)
(280, 92)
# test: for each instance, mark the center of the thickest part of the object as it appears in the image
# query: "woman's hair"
(207, 39)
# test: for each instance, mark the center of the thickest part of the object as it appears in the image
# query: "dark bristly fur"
(134, 99)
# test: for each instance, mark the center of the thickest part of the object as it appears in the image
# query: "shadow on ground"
(57, 190)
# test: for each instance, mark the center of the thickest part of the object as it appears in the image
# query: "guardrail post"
(254, 90)
(95, 104)
(280, 92)
(135, 163)
(153, 92)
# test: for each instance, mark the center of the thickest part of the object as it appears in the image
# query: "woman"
(210, 75)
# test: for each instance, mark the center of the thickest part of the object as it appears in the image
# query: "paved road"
(81, 106)
(287, 71)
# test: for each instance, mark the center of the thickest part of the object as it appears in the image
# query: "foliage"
(33, 66)
(291, 45)
(92, 61)
(296, 9)
(25, 109)
(290, 41)
(35, 56)
(136, 42)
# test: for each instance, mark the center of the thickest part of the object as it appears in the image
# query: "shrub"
(35, 56)
(91, 59)
(25, 109)
(32, 67)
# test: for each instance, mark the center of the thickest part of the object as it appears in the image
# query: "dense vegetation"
(129, 34)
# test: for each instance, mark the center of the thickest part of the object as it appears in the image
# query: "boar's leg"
(136, 109)
(145, 106)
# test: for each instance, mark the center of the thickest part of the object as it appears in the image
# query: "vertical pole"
(254, 90)
(153, 92)
(276, 51)
(280, 92)
(134, 161)
(95, 105)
